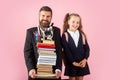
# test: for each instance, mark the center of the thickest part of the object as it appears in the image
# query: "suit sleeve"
(67, 52)
(29, 51)
(86, 49)
(58, 49)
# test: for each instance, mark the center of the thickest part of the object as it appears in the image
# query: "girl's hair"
(66, 25)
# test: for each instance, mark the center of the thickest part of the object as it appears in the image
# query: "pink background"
(101, 21)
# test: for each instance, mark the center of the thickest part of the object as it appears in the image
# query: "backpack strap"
(83, 38)
(66, 36)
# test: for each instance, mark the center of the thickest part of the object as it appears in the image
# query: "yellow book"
(44, 72)
(48, 42)
(44, 69)
(44, 66)
(45, 52)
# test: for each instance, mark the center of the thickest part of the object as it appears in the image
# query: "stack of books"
(47, 58)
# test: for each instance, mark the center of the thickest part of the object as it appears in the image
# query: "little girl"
(75, 47)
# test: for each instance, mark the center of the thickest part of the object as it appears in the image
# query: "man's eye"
(43, 15)
(73, 21)
(48, 16)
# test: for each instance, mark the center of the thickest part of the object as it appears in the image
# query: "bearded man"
(38, 34)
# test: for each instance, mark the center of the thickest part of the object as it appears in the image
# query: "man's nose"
(45, 18)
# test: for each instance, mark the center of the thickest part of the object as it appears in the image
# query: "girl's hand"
(83, 63)
(76, 64)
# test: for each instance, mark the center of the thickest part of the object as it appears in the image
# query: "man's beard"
(44, 24)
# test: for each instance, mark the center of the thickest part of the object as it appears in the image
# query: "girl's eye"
(73, 21)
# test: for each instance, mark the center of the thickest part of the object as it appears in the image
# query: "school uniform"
(75, 51)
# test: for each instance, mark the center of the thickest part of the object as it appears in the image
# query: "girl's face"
(73, 23)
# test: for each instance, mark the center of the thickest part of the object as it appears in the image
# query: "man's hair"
(46, 8)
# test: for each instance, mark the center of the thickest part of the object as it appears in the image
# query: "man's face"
(45, 18)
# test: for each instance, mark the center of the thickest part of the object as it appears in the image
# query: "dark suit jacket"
(30, 50)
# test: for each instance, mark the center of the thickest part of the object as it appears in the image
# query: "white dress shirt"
(75, 35)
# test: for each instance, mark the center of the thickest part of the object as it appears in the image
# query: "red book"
(42, 45)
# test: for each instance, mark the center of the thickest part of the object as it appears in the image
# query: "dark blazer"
(30, 50)
(73, 53)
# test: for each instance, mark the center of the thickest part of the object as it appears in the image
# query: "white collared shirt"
(75, 35)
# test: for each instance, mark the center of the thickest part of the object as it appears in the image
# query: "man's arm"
(58, 43)
(58, 46)
(29, 52)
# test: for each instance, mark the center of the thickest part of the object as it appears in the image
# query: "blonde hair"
(66, 25)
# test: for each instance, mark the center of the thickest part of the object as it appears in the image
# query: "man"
(30, 49)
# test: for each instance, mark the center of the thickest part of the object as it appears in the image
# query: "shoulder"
(56, 28)
(65, 35)
(83, 38)
(32, 29)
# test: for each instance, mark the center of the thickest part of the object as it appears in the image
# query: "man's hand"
(32, 73)
(58, 74)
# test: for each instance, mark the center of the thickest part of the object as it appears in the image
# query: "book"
(45, 66)
(45, 52)
(45, 45)
(48, 42)
(45, 76)
(48, 49)
(46, 62)
(44, 70)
